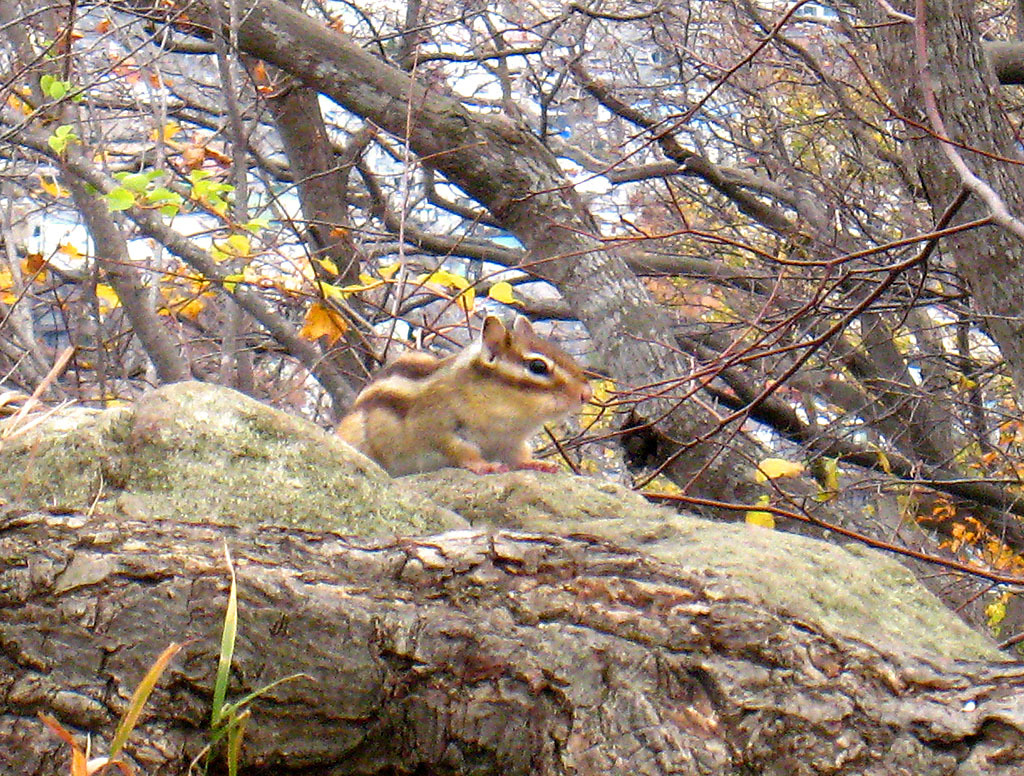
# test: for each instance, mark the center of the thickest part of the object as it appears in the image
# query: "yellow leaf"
(466, 299)
(70, 251)
(964, 383)
(52, 188)
(389, 271)
(14, 102)
(170, 129)
(995, 612)
(444, 278)
(108, 297)
(239, 244)
(329, 265)
(758, 517)
(322, 322)
(234, 246)
(230, 281)
(883, 461)
(777, 468)
(7, 295)
(185, 306)
(502, 292)
(595, 413)
(333, 292)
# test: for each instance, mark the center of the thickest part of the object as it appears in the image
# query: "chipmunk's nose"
(586, 393)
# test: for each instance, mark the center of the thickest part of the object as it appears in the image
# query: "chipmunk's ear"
(523, 327)
(493, 337)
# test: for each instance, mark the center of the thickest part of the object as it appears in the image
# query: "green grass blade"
(241, 703)
(227, 646)
(235, 734)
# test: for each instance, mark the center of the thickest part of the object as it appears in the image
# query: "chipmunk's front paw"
(487, 467)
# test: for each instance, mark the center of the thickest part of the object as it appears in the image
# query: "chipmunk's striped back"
(476, 409)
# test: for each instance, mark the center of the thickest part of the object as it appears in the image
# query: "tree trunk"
(964, 87)
(462, 653)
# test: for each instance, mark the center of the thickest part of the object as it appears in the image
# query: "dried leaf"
(322, 322)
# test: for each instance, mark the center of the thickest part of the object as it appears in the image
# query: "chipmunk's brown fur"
(476, 409)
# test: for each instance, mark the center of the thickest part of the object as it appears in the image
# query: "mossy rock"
(202, 453)
(852, 590)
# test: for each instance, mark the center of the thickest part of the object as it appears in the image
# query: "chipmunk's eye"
(538, 366)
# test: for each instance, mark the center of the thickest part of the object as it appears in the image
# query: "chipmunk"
(476, 409)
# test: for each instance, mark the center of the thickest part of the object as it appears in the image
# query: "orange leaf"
(187, 306)
(78, 759)
(194, 156)
(322, 322)
(15, 103)
(33, 263)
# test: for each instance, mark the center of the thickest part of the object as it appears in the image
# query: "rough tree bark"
(465, 652)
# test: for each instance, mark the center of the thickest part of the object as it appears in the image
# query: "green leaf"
(54, 88)
(120, 199)
(256, 225)
(136, 181)
(162, 194)
(62, 136)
